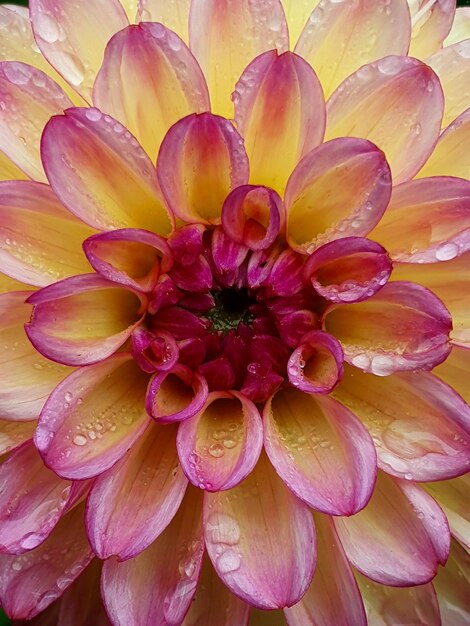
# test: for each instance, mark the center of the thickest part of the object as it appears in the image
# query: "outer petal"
(451, 156)
(163, 577)
(234, 32)
(73, 35)
(333, 596)
(389, 606)
(214, 604)
(279, 109)
(40, 242)
(244, 546)
(452, 65)
(220, 446)
(451, 585)
(29, 98)
(402, 327)
(431, 25)
(428, 220)
(32, 499)
(460, 27)
(165, 81)
(201, 160)
(31, 582)
(173, 13)
(453, 496)
(420, 426)
(27, 378)
(321, 451)
(10, 284)
(133, 502)
(454, 371)
(82, 320)
(450, 281)
(397, 103)
(101, 173)
(342, 36)
(399, 538)
(13, 434)
(340, 189)
(297, 16)
(176, 395)
(8, 170)
(92, 418)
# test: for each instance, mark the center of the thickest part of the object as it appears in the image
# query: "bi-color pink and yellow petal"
(13, 434)
(173, 13)
(451, 585)
(460, 27)
(431, 22)
(452, 496)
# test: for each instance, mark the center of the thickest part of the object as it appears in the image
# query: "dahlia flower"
(235, 312)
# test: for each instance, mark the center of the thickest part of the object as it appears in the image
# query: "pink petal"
(29, 583)
(398, 605)
(201, 160)
(13, 434)
(132, 503)
(73, 36)
(279, 109)
(339, 37)
(420, 425)
(227, 254)
(214, 604)
(402, 327)
(333, 596)
(163, 578)
(406, 131)
(27, 94)
(131, 257)
(399, 538)
(253, 216)
(176, 395)
(173, 13)
(428, 220)
(27, 377)
(348, 270)
(220, 446)
(244, 546)
(154, 352)
(40, 241)
(316, 366)
(101, 173)
(321, 451)
(451, 585)
(151, 62)
(234, 34)
(286, 275)
(92, 418)
(82, 320)
(340, 189)
(452, 496)
(181, 323)
(431, 25)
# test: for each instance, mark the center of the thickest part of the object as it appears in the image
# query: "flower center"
(232, 308)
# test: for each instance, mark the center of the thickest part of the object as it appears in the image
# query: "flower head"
(234, 241)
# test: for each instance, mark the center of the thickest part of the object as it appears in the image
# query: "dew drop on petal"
(79, 440)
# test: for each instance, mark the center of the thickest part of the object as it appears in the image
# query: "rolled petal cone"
(235, 313)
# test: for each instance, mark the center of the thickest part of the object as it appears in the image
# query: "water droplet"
(228, 561)
(389, 65)
(46, 27)
(93, 114)
(68, 396)
(79, 440)
(216, 450)
(447, 251)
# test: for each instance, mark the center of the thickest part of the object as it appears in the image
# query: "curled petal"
(402, 327)
(260, 265)
(92, 418)
(29, 98)
(279, 109)
(180, 323)
(82, 320)
(228, 254)
(27, 377)
(73, 36)
(316, 366)
(406, 131)
(177, 86)
(399, 538)
(131, 257)
(201, 160)
(13, 434)
(176, 395)
(154, 352)
(234, 33)
(451, 584)
(420, 425)
(431, 25)
(40, 241)
(253, 216)
(286, 275)
(340, 189)
(348, 270)
(321, 451)
(428, 220)
(244, 547)
(132, 503)
(193, 277)
(333, 596)
(339, 37)
(452, 496)
(220, 446)
(101, 173)
(164, 576)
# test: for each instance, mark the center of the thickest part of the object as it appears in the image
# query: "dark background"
(461, 3)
